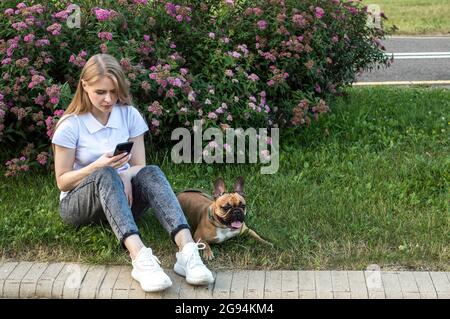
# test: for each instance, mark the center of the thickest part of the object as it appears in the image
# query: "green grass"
(372, 190)
(416, 17)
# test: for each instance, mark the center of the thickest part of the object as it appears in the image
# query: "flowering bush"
(259, 63)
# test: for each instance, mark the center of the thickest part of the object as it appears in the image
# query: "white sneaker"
(148, 273)
(190, 265)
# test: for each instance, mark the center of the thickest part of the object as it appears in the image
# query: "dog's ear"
(219, 188)
(239, 186)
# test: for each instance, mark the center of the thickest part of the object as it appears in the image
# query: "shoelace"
(150, 261)
(194, 259)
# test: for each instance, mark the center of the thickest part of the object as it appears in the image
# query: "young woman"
(95, 185)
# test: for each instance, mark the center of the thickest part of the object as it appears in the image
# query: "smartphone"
(123, 147)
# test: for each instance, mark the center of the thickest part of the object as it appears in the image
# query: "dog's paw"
(208, 254)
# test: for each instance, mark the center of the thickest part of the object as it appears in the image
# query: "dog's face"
(229, 208)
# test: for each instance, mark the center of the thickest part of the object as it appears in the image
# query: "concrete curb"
(81, 281)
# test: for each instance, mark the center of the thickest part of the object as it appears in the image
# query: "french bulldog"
(214, 220)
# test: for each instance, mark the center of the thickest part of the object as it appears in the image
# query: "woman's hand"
(127, 187)
(113, 161)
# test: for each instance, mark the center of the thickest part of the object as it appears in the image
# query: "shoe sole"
(152, 289)
(180, 271)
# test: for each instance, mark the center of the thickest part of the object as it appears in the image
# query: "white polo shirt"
(91, 139)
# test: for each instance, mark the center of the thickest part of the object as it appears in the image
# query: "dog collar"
(213, 220)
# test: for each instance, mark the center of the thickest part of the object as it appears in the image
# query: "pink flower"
(103, 15)
(319, 12)
(317, 88)
(211, 35)
(170, 93)
(155, 122)
(105, 36)
(253, 77)
(42, 42)
(229, 3)
(212, 115)
(177, 82)
(19, 26)
(28, 38)
(146, 37)
(299, 20)
(42, 158)
(54, 29)
(144, 2)
(262, 24)
(9, 12)
(191, 96)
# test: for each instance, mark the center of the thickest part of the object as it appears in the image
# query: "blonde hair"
(96, 67)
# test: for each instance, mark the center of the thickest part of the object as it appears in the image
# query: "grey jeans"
(101, 196)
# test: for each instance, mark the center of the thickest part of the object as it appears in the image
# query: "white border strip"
(437, 82)
(418, 37)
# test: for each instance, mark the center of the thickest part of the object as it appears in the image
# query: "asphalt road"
(422, 59)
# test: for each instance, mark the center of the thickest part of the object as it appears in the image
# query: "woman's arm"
(67, 178)
(137, 160)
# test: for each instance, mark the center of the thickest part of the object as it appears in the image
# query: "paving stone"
(324, 286)
(409, 285)
(29, 282)
(255, 285)
(289, 284)
(357, 285)
(44, 285)
(136, 291)
(92, 281)
(58, 284)
(11, 286)
(374, 284)
(205, 291)
(306, 285)
(5, 270)
(272, 287)
(72, 284)
(425, 285)
(187, 291)
(442, 284)
(341, 288)
(173, 291)
(107, 286)
(123, 284)
(222, 285)
(239, 285)
(391, 284)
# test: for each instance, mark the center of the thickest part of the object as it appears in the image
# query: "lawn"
(416, 17)
(367, 184)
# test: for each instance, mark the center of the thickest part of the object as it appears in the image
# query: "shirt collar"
(93, 125)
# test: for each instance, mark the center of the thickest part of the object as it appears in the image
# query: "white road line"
(416, 37)
(418, 55)
(438, 82)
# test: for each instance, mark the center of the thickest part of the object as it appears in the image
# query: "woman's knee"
(106, 173)
(153, 170)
